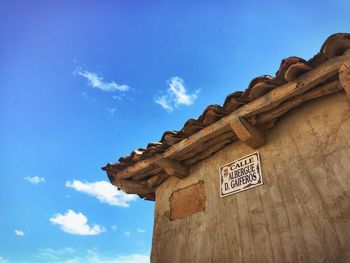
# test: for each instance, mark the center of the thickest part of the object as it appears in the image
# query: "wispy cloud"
(76, 223)
(97, 81)
(140, 230)
(19, 233)
(55, 254)
(103, 191)
(114, 228)
(176, 95)
(116, 97)
(34, 179)
(127, 233)
(111, 110)
(164, 102)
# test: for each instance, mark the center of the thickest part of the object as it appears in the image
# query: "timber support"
(247, 133)
(344, 78)
(173, 168)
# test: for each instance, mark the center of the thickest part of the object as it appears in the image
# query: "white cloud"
(127, 233)
(177, 88)
(19, 233)
(140, 230)
(76, 223)
(176, 95)
(96, 81)
(34, 179)
(103, 191)
(165, 102)
(114, 228)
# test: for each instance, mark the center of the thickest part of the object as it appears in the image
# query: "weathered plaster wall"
(300, 214)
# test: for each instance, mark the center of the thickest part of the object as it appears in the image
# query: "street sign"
(240, 175)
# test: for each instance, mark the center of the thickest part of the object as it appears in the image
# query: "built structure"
(263, 178)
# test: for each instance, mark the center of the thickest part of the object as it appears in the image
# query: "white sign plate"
(240, 175)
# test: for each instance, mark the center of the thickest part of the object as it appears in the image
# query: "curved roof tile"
(290, 68)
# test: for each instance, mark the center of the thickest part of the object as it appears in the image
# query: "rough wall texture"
(187, 201)
(300, 214)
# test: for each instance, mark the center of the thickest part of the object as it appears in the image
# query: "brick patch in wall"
(187, 201)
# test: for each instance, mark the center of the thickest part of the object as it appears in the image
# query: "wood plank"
(139, 167)
(214, 145)
(247, 133)
(205, 154)
(173, 168)
(259, 105)
(262, 119)
(323, 90)
(148, 174)
(208, 145)
(131, 187)
(344, 78)
(157, 179)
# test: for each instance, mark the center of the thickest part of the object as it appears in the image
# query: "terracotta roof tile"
(212, 114)
(192, 126)
(259, 86)
(290, 69)
(335, 45)
(233, 101)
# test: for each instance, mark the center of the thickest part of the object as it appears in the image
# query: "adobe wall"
(300, 214)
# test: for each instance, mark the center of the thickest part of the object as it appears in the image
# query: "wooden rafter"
(247, 133)
(265, 121)
(263, 104)
(173, 168)
(132, 187)
(344, 78)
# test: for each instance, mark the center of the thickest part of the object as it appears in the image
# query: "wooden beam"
(155, 170)
(132, 187)
(173, 168)
(207, 145)
(326, 89)
(206, 153)
(219, 142)
(157, 179)
(344, 78)
(248, 134)
(262, 104)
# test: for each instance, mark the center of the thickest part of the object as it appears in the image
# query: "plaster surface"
(300, 214)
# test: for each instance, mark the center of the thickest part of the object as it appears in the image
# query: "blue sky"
(85, 82)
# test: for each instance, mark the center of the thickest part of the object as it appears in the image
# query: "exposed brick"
(187, 201)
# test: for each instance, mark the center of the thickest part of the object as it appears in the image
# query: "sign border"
(247, 188)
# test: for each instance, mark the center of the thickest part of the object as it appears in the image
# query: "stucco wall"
(300, 214)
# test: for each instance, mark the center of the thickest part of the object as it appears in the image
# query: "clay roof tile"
(290, 68)
(335, 45)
